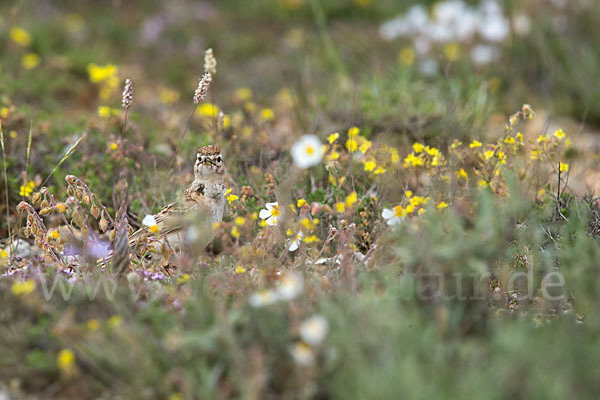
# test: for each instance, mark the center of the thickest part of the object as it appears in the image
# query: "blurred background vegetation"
(344, 63)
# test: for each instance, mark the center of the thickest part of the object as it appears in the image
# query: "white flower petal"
(307, 151)
(270, 206)
(387, 213)
(291, 286)
(264, 214)
(149, 220)
(314, 329)
(394, 221)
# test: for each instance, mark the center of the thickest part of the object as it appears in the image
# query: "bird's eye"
(219, 159)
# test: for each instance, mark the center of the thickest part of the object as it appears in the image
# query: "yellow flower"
(106, 73)
(418, 200)
(306, 223)
(488, 154)
(243, 93)
(451, 51)
(475, 144)
(394, 156)
(231, 198)
(23, 288)
(26, 190)
(240, 221)
(20, 36)
(560, 134)
(311, 239)
(568, 143)
(370, 166)
(354, 131)
(235, 232)
(340, 207)
(418, 147)
(379, 171)
(267, 114)
(3, 254)
(30, 61)
(351, 145)
(365, 146)
(301, 202)
(168, 96)
(543, 138)
(183, 278)
(482, 184)
(536, 154)
(456, 143)
(208, 110)
(239, 269)
(61, 207)
(563, 167)
(509, 140)
(432, 151)
(333, 137)
(53, 234)
(501, 157)
(113, 146)
(334, 155)
(412, 160)
(520, 137)
(408, 194)
(406, 56)
(461, 174)
(92, 325)
(103, 111)
(441, 205)
(226, 121)
(351, 199)
(65, 361)
(115, 321)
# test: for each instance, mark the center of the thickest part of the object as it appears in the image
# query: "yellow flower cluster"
(105, 76)
(27, 189)
(423, 156)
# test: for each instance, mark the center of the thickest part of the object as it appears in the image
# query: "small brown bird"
(191, 220)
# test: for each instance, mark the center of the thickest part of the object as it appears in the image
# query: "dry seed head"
(127, 94)
(202, 89)
(210, 62)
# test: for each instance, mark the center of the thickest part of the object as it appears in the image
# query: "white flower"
(291, 286)
(484, 54)
(307, 151)
(295, 242)
(429, 67)
(393, 216)
(270, 213)
(263, 298)
(150, 222)
(314, 329)
(522, 24)
(302, 354)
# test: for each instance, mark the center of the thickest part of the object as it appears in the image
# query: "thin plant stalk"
(65, 157)
(5, 167)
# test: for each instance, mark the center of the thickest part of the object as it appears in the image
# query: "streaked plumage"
(202, 203)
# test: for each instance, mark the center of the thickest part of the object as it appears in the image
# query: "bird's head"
(209, 162)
